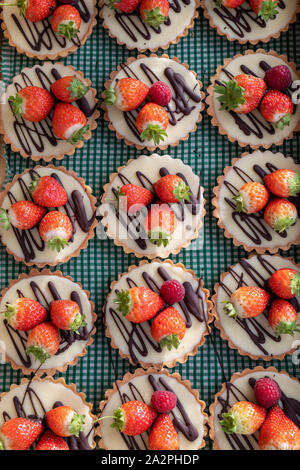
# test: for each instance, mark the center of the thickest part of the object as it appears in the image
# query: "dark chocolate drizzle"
(138, 336)
(254, 326)
(30, 240)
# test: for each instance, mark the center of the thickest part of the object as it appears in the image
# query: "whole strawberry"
(280, 214)
(244, 418)
(278, 77)
(35, 10)
(32, 103)
(163, 401)
(124, 5)
(152, 122)
(66, 21)
(242, 94)
(138, 304)
(43, 341)
(66, 315)
(19, 433)
(277, 108)
(160, 93)
(168, 328)
(285, 283)
(64, 421)
(23, 215)
(163, 435)
(160, 224)
(172, 188)
(154, 12)
(69, 123)
(24, 314)
(69, 89)
(283, 318)
(56, 229)
(127, 94)
(133, 418)
(252, 198)
(247, 302)
(50, 441)
(46, 191)
(267, 392)
(229, 3)
(283, 183)
(265, 9)
(278, 432)
(132, 198)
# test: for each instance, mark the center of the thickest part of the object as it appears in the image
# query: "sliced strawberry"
(69, 89)
(278, 432)
(127, 94)
(160, 223)
(152, 122)
(277, 108)
(163, 435)
(154, 12)
(247, 302)
(64, 421)
(19, 433)
(280, 214)
(252, 198)
(50, 441)
(132, 198)
(43, 341)
(23, 215)
(172, 188)
(48, 192)
(138, 304)
(283, 183)
(69, 123)
(24, 314)
(133, 418)
(244, 418)
(32, 103)
(56, 229)
(66, 315)
(168, 328)
(66, 21)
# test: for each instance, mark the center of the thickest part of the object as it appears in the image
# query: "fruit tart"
(153, 206)
(148, 24)
(152, 411)
(257, 201)
(253, 99)
(153, 102)
(163, 303)
(257, 409)
(47, 29)
(250, 20)
(48, 111)
(45, 414)
(257, 306)
(47, 216)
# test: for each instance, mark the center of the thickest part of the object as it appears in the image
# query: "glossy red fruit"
(172, 291)
(267, 392)
(48, 192)
(163, 401)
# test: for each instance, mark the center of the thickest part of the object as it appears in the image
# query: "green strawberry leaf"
(77, 323)
(154, 132)
(76, 425)
(33, 184)
(283, 224)
(10, 311)
(78, 135)
(16, 105)
(57, 243)
(68, 30)
(123, 301)
(158, 237)
(294, 183)
(268, 10)
(240, 204)
(285, 121)
(110, 96)
(182, 192)
(77, 89)
(119, 419)
(119, 196)
(154, 17)
(22, 5)
(229, 309)
(228, 423)
(285, 328)
(295, 284)
(4, 219)
(231, 95)
(39, 353)
(170, 342)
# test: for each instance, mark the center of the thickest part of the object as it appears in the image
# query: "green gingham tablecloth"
(206, 151)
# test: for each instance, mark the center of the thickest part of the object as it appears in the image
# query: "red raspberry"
(267, 392)
(160, 93)
(172, 291)
(278, 78)
(163, 401)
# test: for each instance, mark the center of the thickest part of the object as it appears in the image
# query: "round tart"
(250, 230)
(135, 341)
(253, 336)
(38, 40)
(27, 245)
(184, 110)
(251, 129)
(129, 29)
(34, 398)
(36, 139)
(242, 24)
(188, 416)
(44, 287)
(127, 231)
(240, 388)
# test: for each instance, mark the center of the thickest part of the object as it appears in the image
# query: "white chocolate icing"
(251, 30)
(157, 65)
(150, 166)
(9, 239)
(246, 164)
(8, 119)
(233, 330)
(193, 334)
(290, 387)
(64, 287)
(227, 121)
(113, 440)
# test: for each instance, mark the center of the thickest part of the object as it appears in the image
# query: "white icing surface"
(246, 164)
(64, 287)
(168, 32)
(32, 30)
(49, 393)
(8, 118)
(157, 66)
(290, 387)
(226, 119)
(254, 31)
(47, 256)
(193, 334)
(235, 332)
(150, 166)
(113, 440)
